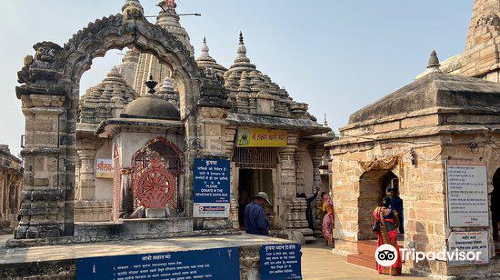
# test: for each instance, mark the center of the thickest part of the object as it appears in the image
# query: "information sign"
(467, 194)
(211, 188)
(280, 262)
(468, 243)
(201, 264)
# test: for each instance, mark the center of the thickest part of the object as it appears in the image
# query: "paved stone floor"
(319, 263)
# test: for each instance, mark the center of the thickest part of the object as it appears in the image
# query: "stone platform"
(59, 261)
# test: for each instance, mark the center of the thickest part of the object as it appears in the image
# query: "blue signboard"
(280, 262)
(211, 188)
(202, 264)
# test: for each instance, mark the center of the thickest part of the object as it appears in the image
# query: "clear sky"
(338, 56)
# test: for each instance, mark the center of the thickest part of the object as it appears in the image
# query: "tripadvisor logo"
(387, 255)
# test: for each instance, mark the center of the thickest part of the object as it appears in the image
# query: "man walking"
(255, 217)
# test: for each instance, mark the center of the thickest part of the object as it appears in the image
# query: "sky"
(337, 56)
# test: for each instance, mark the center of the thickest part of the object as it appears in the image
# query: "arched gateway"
(50, 95)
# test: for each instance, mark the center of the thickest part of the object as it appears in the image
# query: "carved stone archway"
(50, 94)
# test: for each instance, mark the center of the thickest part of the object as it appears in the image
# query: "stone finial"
(132, 10)
(114, 72)
(325, 122)
(434, 63)
(204, 49)
(242, 50)
(151, 84)
(168, 85)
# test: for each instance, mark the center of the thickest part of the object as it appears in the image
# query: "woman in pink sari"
(387, 232)
(328, 219)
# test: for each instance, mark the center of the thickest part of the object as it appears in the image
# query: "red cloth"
(395, 269)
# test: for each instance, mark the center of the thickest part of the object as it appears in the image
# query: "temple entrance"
(372, 185)
(253, 181)
(495, 210)
(256, 169)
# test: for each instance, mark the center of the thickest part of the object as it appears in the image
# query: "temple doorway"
(372, 185)
(253, 181)
(495, 210)
(256, 170)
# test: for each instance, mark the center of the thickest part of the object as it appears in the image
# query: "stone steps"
(310, 239)
(363, 260)
(366, 254)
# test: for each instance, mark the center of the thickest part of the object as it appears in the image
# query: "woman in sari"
(387, 232)
(328, 219)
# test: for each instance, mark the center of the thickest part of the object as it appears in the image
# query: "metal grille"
(157, 168)
(255, 158)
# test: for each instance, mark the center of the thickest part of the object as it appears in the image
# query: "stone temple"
(119, 161)
(448, 117)
(121, 123)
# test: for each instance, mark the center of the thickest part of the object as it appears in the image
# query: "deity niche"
(154, 186)
(156, 177)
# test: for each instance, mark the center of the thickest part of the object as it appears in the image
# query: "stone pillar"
(230, 145)
(44, 208)
(300, 154)
(235, 194)
(317, 154)
(288, 188)
(127, 199)
(87, 176)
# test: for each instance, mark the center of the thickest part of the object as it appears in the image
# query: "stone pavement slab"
(75, 251)
(319, 263)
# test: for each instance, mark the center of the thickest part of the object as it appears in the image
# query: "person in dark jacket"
(255, 217)
(309, 214)
(396, 204)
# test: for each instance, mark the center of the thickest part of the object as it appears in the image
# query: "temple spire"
(482, 52)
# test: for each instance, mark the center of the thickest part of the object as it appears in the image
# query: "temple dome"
(151, 107)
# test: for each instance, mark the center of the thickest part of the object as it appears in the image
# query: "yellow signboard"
(258, 137)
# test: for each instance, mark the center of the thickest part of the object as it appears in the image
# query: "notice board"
(466, 242)
(280, 262)
(211, 188)
(467, 193)
(201, 264)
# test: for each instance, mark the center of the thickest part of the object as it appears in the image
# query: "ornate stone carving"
(42, 69)
(213, 93)
(132, 10)
(490, 20)
(154, 186)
